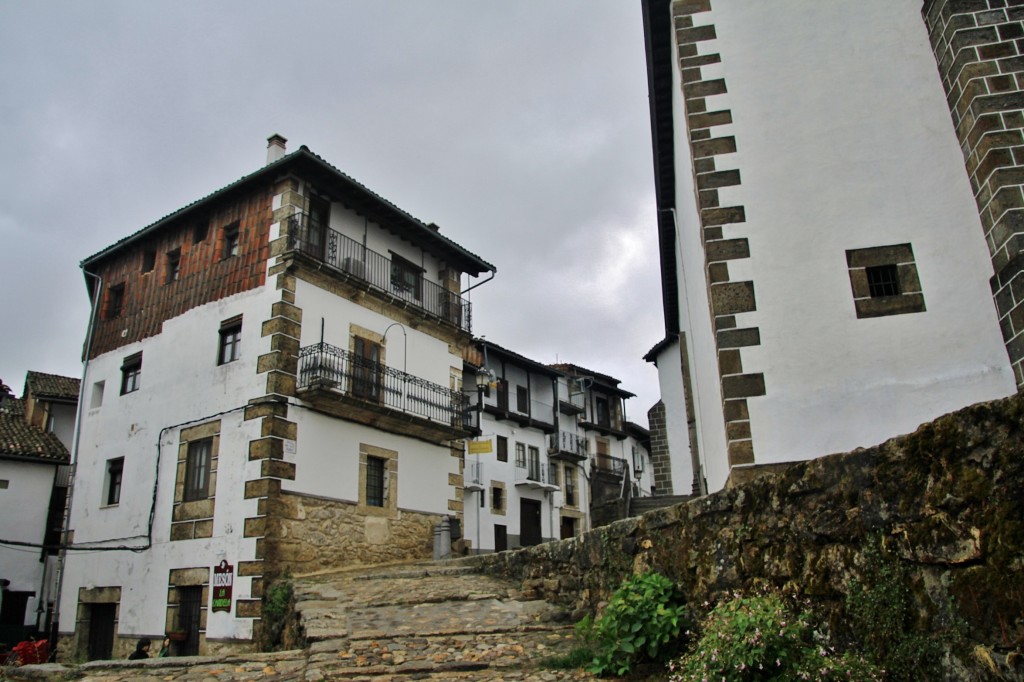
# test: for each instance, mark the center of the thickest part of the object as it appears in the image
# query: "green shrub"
(643, 618)
(881, 616)
(278, 614)
(758, 638)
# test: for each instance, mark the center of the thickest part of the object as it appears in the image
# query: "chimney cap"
(276, 139)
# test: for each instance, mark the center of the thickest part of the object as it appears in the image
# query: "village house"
(831, 276)
(36, 436)
(553, 443)
(273, 383)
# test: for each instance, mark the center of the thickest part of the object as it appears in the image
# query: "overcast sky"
(520, 127)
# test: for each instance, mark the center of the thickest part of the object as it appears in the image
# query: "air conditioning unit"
(355, 267)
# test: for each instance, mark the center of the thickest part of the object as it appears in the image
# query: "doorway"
(189, 609)
(101, 631)
(568, 527)
(529, 523)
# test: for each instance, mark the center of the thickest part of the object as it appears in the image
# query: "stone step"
(416, 654)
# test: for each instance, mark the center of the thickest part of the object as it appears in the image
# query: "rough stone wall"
(945, 501)
(979, 48)
(318, 534)
(660, 457)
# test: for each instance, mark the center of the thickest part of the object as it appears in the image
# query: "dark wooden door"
(529, 523)
(500, 538)
(101, 631)
(568, 527)
(189, 609)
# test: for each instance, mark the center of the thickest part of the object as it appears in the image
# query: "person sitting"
(141, 649)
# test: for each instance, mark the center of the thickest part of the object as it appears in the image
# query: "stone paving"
(383, 624)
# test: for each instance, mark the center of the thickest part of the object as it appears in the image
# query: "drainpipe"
(62, 554)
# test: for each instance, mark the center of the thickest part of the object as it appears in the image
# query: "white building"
(272, 385)
(36, 433)
(825, 278)
(553, 442)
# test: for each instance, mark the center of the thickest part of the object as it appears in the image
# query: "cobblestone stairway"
(384, 624)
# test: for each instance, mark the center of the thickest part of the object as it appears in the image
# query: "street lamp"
(484, 377)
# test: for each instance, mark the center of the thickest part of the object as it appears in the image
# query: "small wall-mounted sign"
(223, 581)
(289, 447)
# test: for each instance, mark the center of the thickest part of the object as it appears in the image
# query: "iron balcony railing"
(381, 273)
(565, 441)
(474, 474)
(324, 365)
(536, 472)
(607, 463)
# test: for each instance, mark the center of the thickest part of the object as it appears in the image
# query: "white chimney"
(275, 148)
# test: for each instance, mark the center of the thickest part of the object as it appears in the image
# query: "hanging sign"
(477, 447)
(223, 580)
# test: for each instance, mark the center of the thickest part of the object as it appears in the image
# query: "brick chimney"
(275, 148)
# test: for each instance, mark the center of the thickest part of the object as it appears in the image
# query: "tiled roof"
(576, 370)
(304, 158)
(20, 439)
(521, 359)
(51, 386)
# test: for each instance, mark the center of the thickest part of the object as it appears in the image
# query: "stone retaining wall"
(946, 501)
(317, 534)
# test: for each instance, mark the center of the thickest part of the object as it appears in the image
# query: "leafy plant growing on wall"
(759, 638)
(642, 622)
(881, 615)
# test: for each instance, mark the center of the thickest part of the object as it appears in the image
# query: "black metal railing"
(564, 441)
(331, 367)
(534, 470)
(607, 463)
(393, 278)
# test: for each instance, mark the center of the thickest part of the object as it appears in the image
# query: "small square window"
(115, 301)
(375, 481)
(197, 470)
(115, 474)
(96, 400)
(883, 280)
(148, 261)
(131, 373)
(199, 232)
(173, 265)
(229, 246)
(230, 341)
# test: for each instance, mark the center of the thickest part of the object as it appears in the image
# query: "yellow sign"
(477, 447)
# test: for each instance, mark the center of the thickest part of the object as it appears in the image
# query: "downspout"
(62, 554)
(493, 274)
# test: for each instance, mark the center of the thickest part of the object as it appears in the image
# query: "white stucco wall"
(181, 384)
(694, 313)
(405, 348)
(844, 141)
(24, 504)
(64, 423)
(478, 522)
(327, 463)
(670, 381)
